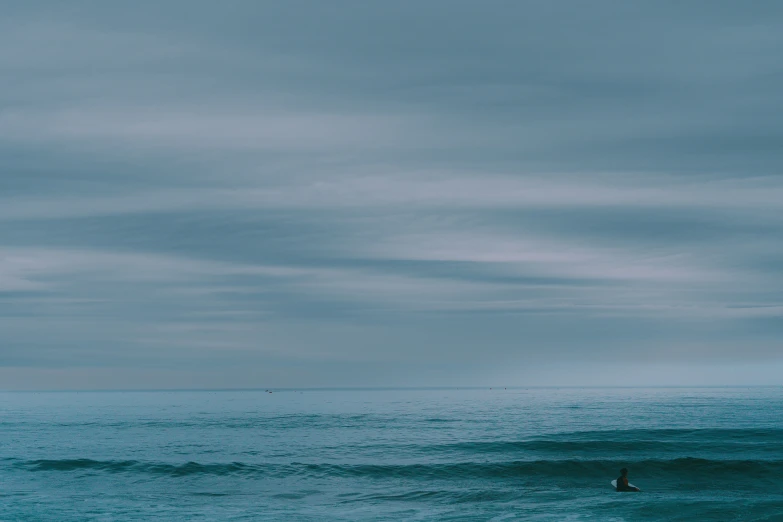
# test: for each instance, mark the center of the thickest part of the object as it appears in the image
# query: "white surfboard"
(614, 484)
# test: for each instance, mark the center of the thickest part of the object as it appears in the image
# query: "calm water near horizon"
(405, 454)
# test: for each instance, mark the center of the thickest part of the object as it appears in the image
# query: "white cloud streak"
(444, 192)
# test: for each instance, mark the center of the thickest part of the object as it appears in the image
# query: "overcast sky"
(390, 193)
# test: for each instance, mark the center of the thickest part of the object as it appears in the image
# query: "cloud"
(191, 128)
(424, 190)
(388, 193)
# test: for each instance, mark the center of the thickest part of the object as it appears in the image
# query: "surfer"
(622, 482)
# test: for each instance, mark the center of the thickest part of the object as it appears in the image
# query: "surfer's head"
(624, 471)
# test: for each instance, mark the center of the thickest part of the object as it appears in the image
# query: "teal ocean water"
(439, 454)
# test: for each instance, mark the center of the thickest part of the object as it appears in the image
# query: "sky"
(253, 194)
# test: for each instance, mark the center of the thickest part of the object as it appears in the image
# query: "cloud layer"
(307, 194)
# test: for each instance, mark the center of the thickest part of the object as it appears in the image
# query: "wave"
(691, 469)
(655, 443)
(680, 467)
(135, 466)
(677, 434)
(580, 447)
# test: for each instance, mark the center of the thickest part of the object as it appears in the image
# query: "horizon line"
(383, 388)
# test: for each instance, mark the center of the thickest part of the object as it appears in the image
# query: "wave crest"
(674, 469)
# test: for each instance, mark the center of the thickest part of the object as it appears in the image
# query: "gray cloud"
(310, 194)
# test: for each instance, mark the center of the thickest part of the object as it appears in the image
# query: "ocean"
(540, 454)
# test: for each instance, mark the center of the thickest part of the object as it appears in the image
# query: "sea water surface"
(436, 454)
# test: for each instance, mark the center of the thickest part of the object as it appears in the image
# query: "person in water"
(622, 482)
